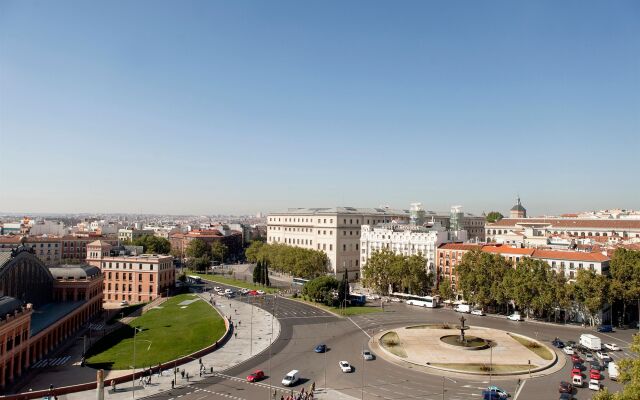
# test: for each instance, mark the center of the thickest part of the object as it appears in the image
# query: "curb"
(374, 342)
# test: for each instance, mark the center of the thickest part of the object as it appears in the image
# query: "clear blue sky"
(242, 106)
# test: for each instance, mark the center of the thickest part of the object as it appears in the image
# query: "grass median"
(168, 332)
(353, 310)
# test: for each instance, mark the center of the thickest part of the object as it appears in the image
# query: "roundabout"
(475, 351)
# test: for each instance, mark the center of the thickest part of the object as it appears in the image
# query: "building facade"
(41, 307)
(334, 231)
(131, 278)
(404, 239)
(131, 234)
(230, 238)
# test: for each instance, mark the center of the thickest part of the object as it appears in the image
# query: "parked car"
(321, 348)
(501, 392)
(566, 396)
(594, 385)
(515, 316)
(260, 291)
(576, 380)
(565, 387)
(217, 288)
(568, 350)
(557, 343)
(612, 347)
(614, 371)
(124, 303)
(366, 354)
(595, 374)
(344, 366)
(605, 328)
(256, 376)
(596, 365)
(576, 358)
(477, 312)
(228, 291)
(576, 371)
(603, 355)
(589, 357)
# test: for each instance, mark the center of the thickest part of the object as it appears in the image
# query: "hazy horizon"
(238, 107)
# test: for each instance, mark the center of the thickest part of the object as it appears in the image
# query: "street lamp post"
(133, 375)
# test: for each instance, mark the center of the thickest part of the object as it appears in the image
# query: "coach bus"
(299, 281)
(194, 279)
(420, 301)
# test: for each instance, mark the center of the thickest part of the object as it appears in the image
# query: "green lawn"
(233, 282)
(167, 333)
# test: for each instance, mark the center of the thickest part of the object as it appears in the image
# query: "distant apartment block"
(230, 238)
(334, 231)
(131, 278)
(131, 234)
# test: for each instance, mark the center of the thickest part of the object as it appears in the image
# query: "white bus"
(194, 279)
(420, 301)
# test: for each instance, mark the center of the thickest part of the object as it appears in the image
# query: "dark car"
(565, 387)
(605, 328)
(321, 348)
(489, 395)
(565, 396)
(578, 366)
(576, 359)
(557, 343)
(596, 365)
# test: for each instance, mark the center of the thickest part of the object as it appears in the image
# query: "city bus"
(420, 301)
(300, 281)
(194, 279)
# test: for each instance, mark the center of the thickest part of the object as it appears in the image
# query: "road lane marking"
(515, 397)
(365, 332)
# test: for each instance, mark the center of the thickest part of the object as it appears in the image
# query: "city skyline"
(233, 108)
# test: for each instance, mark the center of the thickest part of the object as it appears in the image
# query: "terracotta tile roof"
(13, 239)
(507, 250)
(569, 255)
(459, 246)
(571, 223)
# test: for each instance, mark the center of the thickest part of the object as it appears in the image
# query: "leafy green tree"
(257, 272)
(480, 276)
(446, 291)
(197, 248)
(494, 216)
(320, 289)
(378, 273)
(254, 251)
(153, 244)
(267, 282)
(625, 278)
(630, 373)
(413, 275)
(591, 292)
(218, 251)
(200, 263)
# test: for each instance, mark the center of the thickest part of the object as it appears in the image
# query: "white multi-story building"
(407, 240)
(335, 231)
(46, 227)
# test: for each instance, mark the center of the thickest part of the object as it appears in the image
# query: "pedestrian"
(239, 322)
(182, 373)
(113, 385)
(235, 334)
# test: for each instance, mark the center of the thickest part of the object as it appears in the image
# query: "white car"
(515, 317)
(594, 385)
(366, 354)
(603, 356)
(568, 350)
(260, 291)
(228, 291)
(344, 366)
(217, 288)
(612, 347)
(396, 300)
(245, 291)
(477, 312)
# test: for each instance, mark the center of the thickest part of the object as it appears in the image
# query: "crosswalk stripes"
(51, 362)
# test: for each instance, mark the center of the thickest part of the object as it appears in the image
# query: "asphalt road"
(303, 327)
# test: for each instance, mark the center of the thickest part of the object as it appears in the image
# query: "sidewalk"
(235, 351)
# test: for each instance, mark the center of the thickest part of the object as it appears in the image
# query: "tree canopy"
(197, 248)
(494, 216)
(153, 244)
(297, 261)
(320, 289)
(407, 274)
(219, 251)
(629, 376)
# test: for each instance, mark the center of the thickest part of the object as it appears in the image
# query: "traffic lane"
(213, 388)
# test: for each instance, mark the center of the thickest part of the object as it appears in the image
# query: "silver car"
(366, 354)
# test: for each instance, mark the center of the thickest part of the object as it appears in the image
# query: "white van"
(515, 316)
(291, 378)
(590, 341)
(614, 371)
(464, 308)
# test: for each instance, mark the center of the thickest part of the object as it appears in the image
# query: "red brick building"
(180, 241)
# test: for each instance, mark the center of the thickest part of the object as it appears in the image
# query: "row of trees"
(200, 254)
(488, 279)
(151, 244)
(386, 271)
(296, 261)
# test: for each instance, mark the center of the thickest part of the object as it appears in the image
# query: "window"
(344, 247)
(357, 246)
